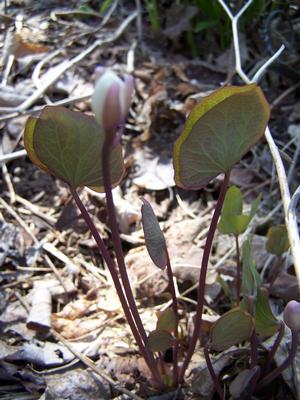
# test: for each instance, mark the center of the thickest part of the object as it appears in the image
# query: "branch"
(288, 205)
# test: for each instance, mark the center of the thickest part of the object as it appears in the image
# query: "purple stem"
(213, 375)
(277, 371)
(238, 270)
(253, 338)
(175, 311)
(112, 269)
(106, 151)
(202, 278)
(275, 346)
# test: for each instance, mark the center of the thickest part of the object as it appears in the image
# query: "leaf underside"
(218, 133)
(68, 144)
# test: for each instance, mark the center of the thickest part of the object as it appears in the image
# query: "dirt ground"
(63, 333)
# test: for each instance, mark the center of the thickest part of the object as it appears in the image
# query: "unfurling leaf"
(230, 329)
(159, 340)
(166, 320)
(265, 322)
(218, 133)
(68, 145)
(251, 279)
(154, 238)
(278, 241)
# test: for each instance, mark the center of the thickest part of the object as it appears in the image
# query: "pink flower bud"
(291, 315)
(111, 100)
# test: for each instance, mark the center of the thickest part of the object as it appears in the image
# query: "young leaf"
(278, 241)
(232, 328)
(159, 340)
(154, 238)
(68, 144)
(166, 320)
(251, 279)
(233, 221)
(217, 134)
(265, 322)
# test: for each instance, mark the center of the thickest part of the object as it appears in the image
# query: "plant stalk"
(238, 270)
(275, 346)
(112, 269)
(277, 371)
(253, 338)
(213, 375)
(202, 277)
(175, 311)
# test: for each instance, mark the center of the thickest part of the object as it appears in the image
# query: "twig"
(67, 64)
(89, 363)
(289, 212)
(263, 68)
(12, 156)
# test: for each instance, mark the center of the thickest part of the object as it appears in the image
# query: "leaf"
(159, 340)
(232, 328)
(265, 322)
(218, 133)
(278, 241)
(154, 238)
(68, 144)
(251, 279)
(166, 320)
(233, 221)
(242, 385)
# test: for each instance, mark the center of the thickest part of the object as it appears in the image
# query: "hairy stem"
(277, 371)
(213, 375)
(202, 277)
(112, 269)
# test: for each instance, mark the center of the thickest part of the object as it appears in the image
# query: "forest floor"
(59, 310)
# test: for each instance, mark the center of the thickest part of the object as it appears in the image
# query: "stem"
(116, 238)
(277, 371)
(202, 277)
(253, 339)
(112, 269)
(238, 270)
(213, 375)
(275, 346)
(175, 311)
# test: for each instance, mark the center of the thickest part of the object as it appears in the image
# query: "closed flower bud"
(111, 100)
(291, 315)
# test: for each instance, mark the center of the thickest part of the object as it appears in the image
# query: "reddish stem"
(213, 375)
(175, 311)
(238, 270)
(112, 269)
(202, 277)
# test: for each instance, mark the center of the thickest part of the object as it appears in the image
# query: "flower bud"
(111, 100)
(291, 315)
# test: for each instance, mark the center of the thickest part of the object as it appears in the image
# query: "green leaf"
(218, 133)
(159, 340)
(166, 320)
(154, 238)
(278, 241)
(251, 279)
(265, 322)
(233, 221)
(230, 329)
(68, 144)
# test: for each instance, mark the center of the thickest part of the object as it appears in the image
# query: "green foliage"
(251, 279)
(152, 9)
(278, 241)
(265, 322)
(218, 132)
(231, 328)
(154, 238)
(68, 145)
(233, 221)
(159, 340)
(166, 320)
